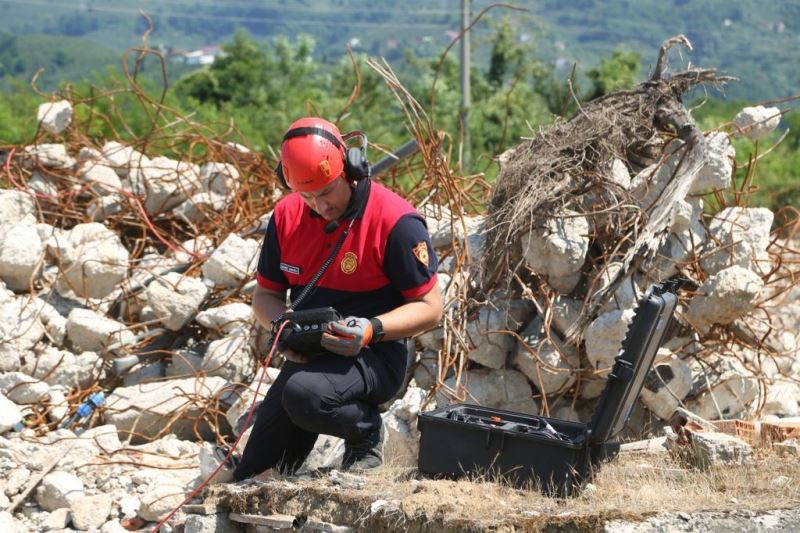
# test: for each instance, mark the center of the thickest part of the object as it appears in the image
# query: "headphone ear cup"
(280, 176)
(356, 165)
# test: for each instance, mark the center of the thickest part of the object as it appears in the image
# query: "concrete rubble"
(74, 300)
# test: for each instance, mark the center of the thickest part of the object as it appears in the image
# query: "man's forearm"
(267, 306)
(413, 316)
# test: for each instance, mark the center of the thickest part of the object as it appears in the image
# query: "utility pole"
(464, 115)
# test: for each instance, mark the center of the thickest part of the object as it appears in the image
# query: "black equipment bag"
(552, 455)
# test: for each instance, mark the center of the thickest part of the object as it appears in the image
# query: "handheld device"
(305, 328)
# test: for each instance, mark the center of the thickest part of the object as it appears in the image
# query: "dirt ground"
(633, 487)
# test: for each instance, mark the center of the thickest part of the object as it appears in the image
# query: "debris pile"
(584, 217)
(126, 267)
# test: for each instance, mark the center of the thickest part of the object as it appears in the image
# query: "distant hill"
(757, 41)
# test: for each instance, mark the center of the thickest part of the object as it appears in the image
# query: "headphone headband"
(308, 130)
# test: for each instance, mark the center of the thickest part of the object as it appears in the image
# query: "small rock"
(55, 116)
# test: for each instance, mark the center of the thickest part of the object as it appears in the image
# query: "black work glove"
(348, 336)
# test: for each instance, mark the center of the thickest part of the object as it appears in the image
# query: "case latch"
(622, 370)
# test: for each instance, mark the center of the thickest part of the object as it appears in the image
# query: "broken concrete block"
(757, 121)
(619, 174)
(106, 179)
(20, 329)
(666, 385)
(603, 338)
(152, 409)
(548, 362)
(89, 331)
(159, 500)
(219, 178)
(93, 260)
(90, 153)
(783, 399)
(58, 489)
(196, 208)
(442, 225)
(232, 262)
(10, 414)
(504, 389)
(649, 184)
(16, 207)
(211, 523)
(400, 424)
(103, 207)
(48, 156)
(558, 249)
(9, 524)
(724, 297)
(432, 340)
(226, 318)
(722, 388)
(200, 246)
(566, 312)
(718, 170)
(10, 357)
(42, 183)
(61, 367)
(123, 158)
(168, 183)
(208, 464)
(738, 236)
(175, 299)
(684, 244)
(184, 364)
(21, 257)
(22, 389)
(90, 512)
(230, 357)
(55, 116)
(491, 347)
(427, 370)
(710, 449)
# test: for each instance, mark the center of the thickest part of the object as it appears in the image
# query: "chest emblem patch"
(349, 263)
(421, 253)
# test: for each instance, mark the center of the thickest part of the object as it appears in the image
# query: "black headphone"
(356, 165)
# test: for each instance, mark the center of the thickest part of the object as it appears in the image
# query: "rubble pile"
(586, 216)
(128, 273)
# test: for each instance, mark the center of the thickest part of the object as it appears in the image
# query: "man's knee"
(303, 402)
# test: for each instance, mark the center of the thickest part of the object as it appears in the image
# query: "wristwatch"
(377, 330)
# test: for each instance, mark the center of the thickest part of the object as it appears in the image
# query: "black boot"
(365, 454)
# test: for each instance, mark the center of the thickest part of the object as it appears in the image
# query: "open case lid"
(644, 336)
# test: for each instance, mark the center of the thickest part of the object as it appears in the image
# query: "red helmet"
(312, 154)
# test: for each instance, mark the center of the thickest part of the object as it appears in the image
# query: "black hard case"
(502, 445)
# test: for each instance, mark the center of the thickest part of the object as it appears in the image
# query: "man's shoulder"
(290, 205)
(389, 203)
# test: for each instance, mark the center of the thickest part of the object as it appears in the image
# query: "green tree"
(620, 71)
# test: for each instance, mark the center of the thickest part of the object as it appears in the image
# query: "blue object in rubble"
(86, 408)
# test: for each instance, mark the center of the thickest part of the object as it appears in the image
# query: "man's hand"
(348, 336)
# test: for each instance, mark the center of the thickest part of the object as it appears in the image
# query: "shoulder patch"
(421, 253)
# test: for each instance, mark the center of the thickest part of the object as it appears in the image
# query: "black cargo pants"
(332, 395)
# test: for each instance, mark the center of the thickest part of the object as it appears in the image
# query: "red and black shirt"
(386, 258)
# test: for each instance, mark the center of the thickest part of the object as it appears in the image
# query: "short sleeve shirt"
(386, 258)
